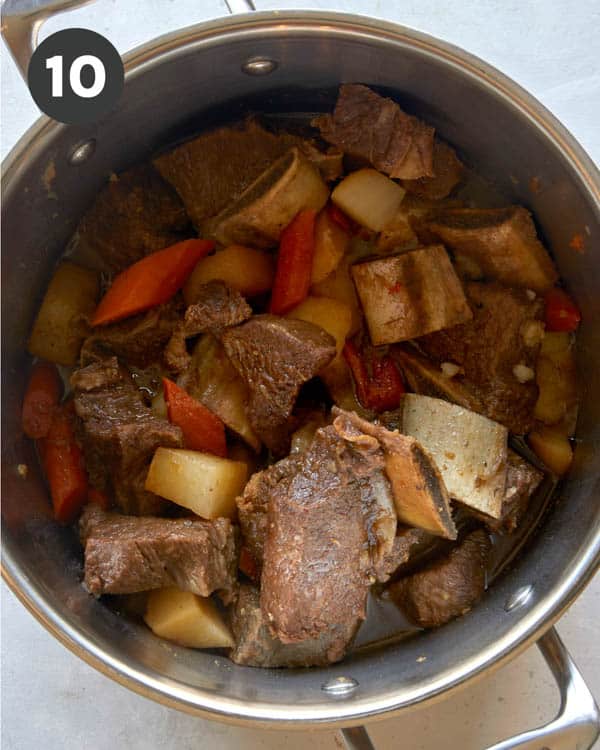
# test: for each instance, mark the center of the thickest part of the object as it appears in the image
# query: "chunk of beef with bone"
(375, 129)
(290, 185)
(275, 357)
(496, 243)
(126, 554)
(411, 294)
(120, 435)
(419, 492)
(211, 171)
(318, 562)
(217, 307)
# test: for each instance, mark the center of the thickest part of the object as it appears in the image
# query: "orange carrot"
(151, 281)
(294, 263)
(63, 465)
(41, 399)
(202, 430)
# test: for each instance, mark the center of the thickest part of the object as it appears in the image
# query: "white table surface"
(51, 699)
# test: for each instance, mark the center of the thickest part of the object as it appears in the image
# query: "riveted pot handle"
(23, 19)
(578, 722)
(576, 726)
(21, 24)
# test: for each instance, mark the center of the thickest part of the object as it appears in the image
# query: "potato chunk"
(469, 450)
(497, 243)
(266, 207)
(369, 197)
(245, 269)
(186, 619)
(62, 321)
(409, 295)
(206, 484)
(556, 377)
(553, 447)
(332, 315)
(331, 244)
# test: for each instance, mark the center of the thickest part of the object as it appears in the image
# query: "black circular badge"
(76, 76)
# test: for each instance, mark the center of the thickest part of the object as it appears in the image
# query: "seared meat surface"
(253, 504)
(510, 319)
(120, 434)
(255, 646)
(448, 587)
(275, 357)
(216, 308)
(317, 567)
(368, 126)
(136, 214)
(496, 243)
(125, 554)
(138, 341)
(210, 172)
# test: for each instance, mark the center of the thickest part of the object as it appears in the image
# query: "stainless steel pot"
(288, 61)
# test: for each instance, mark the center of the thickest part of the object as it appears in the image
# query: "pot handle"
(23, 19)
(576, 726)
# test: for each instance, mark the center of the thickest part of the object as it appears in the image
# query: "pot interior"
(183, 85)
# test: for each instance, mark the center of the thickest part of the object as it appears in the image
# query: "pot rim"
(526, 630)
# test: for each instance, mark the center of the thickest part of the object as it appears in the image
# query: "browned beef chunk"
(253, 504)
(447, 588)
(496, 243)
(138, 341)
(125, 554)
(120, 435)
(135, 214)
(317, 566)
(370, 127)
(217, 307)
(522, 480)
(505, 332)
(213, 170)
(448, 171)
(256, 647)
(275, 357)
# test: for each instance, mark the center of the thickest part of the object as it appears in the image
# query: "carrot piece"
(341, 219)
(294, 263)
(151, 281)
(378, 382)
(202, 430)
(41, 399)
(62, 460)
(98, 498)
(562, 315)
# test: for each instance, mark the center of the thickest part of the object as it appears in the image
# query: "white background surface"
(50, 699)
